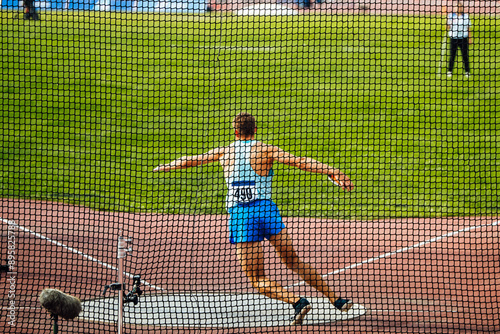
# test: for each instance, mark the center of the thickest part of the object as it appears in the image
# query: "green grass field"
(92, 102)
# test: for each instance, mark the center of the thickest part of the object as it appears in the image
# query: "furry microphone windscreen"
(60, 304)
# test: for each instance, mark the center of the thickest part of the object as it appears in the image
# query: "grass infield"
(92, 101)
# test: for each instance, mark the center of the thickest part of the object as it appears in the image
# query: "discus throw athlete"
(247, 166)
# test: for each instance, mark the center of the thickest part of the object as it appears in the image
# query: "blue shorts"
(252, 222)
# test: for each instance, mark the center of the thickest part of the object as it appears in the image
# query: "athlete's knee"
(254, 276)
(259, 281)
(295, 264)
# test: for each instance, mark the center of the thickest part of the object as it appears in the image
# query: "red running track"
(413, 275)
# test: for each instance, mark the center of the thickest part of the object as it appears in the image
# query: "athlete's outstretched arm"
(312, 166)
(191, 161)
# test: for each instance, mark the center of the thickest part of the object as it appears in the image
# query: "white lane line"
(76, 251)
(401, 250)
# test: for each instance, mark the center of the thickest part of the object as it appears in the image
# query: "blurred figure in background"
(30, 11)
(458, 25)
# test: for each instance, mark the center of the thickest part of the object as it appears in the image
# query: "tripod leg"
(55, 328)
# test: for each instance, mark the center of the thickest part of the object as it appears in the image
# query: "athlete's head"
(244, 124)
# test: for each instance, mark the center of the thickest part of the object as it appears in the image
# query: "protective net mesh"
(95, 94)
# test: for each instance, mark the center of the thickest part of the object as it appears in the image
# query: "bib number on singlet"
(244, 191)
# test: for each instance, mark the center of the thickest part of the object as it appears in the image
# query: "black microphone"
(60, 304)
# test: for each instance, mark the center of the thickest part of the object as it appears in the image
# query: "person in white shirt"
(458, 25)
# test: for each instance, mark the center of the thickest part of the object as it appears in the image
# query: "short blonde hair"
(244, 123)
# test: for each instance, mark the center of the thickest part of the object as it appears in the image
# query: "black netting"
(97, 94)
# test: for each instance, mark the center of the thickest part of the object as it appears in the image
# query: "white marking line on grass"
(245, 48)
(401, 250)
(76, 251)
(231, 47)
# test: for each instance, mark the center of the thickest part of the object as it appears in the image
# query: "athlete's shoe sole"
(343, 304)
(299, 317)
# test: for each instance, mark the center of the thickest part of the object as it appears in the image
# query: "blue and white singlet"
(244, 185)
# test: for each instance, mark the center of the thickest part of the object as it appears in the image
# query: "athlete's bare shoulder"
(268, 150)
(264, 147)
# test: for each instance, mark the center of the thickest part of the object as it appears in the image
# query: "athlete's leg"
(251, 257)
(284, 247)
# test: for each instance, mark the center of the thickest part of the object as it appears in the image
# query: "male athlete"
(247, 166)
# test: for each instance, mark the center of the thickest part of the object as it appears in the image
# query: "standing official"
(458, 25)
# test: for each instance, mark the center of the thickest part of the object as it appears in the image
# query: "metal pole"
(122, 252)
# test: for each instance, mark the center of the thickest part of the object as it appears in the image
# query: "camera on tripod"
(133, 295)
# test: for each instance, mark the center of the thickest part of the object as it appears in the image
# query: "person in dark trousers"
(458, 25)
(30, 11)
